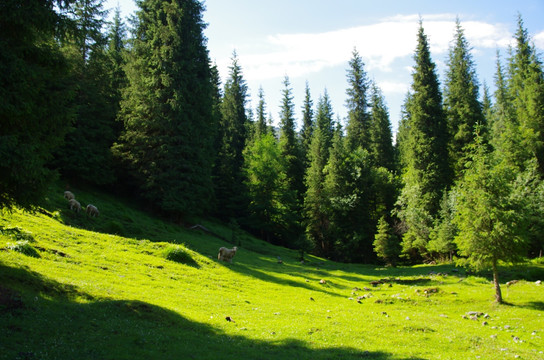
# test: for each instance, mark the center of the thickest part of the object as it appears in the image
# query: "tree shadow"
(43, 319)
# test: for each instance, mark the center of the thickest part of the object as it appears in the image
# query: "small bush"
(178, 254)
(24, 248)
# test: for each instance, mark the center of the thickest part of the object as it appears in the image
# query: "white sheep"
(92, 210)
(68, 195)
(226, 254)
(74, 205)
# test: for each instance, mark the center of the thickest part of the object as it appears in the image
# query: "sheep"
(74, 205)
(92, 211)
(68, 195)
(226, 254)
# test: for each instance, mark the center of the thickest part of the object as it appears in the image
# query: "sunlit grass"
(130, 286)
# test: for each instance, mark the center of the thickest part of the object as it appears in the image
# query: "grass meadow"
(127, 285)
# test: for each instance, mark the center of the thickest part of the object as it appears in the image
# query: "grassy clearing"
(130, 286)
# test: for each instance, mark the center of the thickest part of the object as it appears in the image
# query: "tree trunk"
(498, 294)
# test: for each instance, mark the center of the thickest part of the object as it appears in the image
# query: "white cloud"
(539, 40)
(380, 45)
(391, 87)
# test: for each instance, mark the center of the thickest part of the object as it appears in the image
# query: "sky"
(312, 41)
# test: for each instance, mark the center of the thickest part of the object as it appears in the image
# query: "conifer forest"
(138, 108)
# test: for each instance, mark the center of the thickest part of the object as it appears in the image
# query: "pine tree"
(427, 174)
(228, 173)
(358, 127)
(36, 107)
(289, 144)
(261, 126)
(86, 154)
(307, 125)
(167, 108)
(386, 244)
(494, 210)
(381, 138)
(316, 201)
(526, 87)
(462, 108)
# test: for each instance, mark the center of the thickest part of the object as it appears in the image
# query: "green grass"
(127, 285)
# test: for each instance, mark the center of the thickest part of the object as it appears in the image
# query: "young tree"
(358, 127)
(386, 244)
(462, 108)
(426, 174)
(36, 98)
(493, 211)
(261, 127)
(233, 135)
(167, 108)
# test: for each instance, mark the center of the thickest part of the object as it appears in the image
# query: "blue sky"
(313, 40)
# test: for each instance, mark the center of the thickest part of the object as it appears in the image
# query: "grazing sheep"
(74, 205)
(226, 254)
(92, 210)
(68, 195)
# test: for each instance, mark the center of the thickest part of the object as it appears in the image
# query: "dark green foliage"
(167, 108)
(462, 108)
(233, 133)
(308, 125)
(261, 127)
(424, 153)
(35, 110)
(381, 137)
(316, 201)
(358, 127)
(96, 75)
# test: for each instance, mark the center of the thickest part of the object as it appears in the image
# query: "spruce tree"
(526, 88)
(36, 107)
(167, 108)
(289, 143)
(261, 127)
(316, 201)
(233, 134)
(307, 125)
(87, 152)
(381, 138)
(427, 173)
(358, 126)
(462, 108)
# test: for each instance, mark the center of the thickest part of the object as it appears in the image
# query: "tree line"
(140, 108)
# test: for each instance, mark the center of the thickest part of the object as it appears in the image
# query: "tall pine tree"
(381, 138)
(358, 126)
(462, 108)
(233, 134)
(426, 174)
(167, 108)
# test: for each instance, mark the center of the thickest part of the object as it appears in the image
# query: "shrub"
(18, 234)
(178, 254)
(24, 248)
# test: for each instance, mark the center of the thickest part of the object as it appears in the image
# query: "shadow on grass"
(43, 319)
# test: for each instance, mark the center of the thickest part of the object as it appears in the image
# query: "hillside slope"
(72, 289)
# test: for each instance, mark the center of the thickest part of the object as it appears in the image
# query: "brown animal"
(68, 195)
(226, 254)
(74, 205)
(92, 210)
